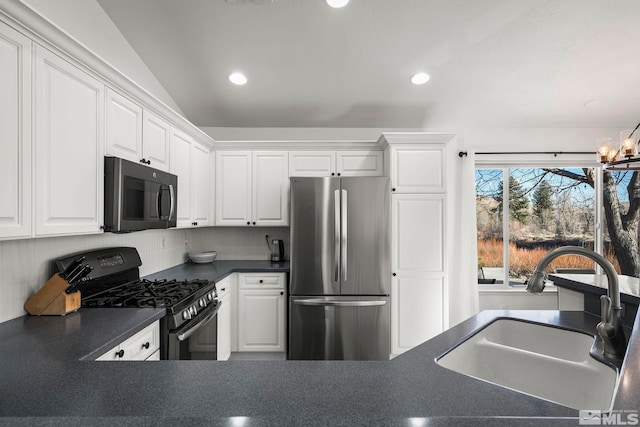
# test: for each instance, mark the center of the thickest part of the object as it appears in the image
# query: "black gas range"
(188, 331)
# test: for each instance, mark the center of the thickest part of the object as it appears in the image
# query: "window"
(538, 210)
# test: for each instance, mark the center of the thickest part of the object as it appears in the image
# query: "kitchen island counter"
(43, 375)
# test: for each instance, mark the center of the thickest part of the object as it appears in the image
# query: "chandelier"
(622, 157)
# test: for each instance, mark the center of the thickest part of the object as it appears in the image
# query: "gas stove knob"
(202, 303)
(193, 310)
(186, 315)
(210, 296)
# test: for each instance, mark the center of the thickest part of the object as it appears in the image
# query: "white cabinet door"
(312, 163)
(15, 133)
(200, 184)
(261, 323)
(330, 163)
(416, 312)
(123, 127)
(156, 138)
(181, 167)
(360, 163)
(417, 229)
(69, 141)
(190, 162)
(417, 169)
(270, 189)
(233, 188)
(261, 312)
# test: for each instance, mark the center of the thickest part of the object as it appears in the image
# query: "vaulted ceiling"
(502, 63)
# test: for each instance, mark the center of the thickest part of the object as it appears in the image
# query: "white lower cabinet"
(223, 288)
(144, 345)
(417, 312)
(261, 312)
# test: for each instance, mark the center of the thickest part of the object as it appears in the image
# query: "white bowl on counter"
(202, 257)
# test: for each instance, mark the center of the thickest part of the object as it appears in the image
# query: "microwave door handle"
(172, 207)
(159, 202)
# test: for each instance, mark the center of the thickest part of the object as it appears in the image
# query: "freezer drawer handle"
(333, 303)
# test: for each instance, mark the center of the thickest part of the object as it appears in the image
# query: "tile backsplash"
(25, 265)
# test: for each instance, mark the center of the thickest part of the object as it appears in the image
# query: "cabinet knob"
(261, 280)
(254, 223)
(338, 173)
(332, 173)
(146, 345)
(393, 189)
(281, 292)
(194, 223)
(248, 223)
(120, 353)
(394, 275)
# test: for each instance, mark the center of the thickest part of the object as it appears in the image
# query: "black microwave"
(138, 197)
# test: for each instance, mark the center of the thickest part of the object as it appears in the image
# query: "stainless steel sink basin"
(540, 360)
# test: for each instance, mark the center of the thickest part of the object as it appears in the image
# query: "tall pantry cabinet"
(416, 165)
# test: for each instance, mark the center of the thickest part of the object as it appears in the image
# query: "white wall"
(89, 24)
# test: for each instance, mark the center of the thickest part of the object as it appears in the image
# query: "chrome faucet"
(614, 342)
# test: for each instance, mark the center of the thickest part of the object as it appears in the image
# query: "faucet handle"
(605, 309)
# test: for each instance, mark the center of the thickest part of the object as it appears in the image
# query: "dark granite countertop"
(42, 375)
(597, 284)
(218, 269)
(46, 378)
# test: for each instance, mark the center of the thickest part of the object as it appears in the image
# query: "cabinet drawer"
(143, 344)
(261, 280)
(140, 346)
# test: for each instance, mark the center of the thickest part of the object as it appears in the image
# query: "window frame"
(507, 161)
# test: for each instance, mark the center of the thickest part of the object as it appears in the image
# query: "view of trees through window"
(549, 208)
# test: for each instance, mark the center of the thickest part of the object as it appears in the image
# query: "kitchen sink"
(536, 359)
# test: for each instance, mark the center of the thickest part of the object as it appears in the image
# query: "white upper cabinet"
(69, 138)
(124, 127)
(156, 137)
(252, 188)
(417, 169)
(270, 201)
(233, 188)
(359, 163)
(15, 133)
(190, 162)
(134, 134)
(331, 163)
(200, 185)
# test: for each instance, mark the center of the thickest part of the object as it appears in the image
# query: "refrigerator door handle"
(336, 237)
(336, 303)
(344, 235)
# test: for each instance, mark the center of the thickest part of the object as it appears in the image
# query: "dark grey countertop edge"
(576, 285)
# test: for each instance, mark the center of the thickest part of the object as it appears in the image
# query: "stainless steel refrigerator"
(339, 307)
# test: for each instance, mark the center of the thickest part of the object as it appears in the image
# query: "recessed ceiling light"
(337, 3)
(237, 78)
(420, 78)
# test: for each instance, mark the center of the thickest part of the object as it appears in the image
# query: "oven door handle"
(189, 329)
